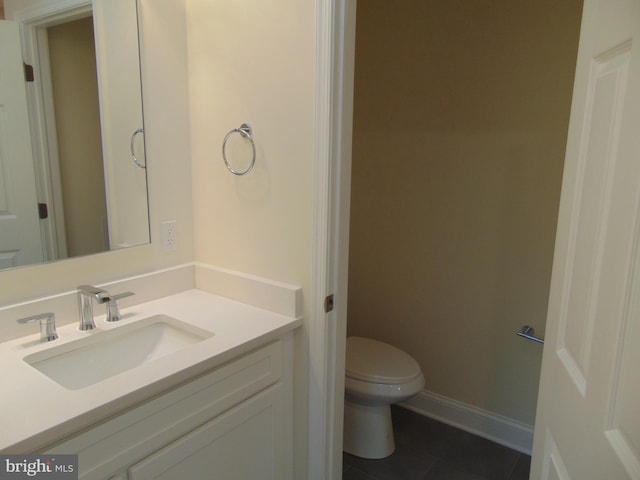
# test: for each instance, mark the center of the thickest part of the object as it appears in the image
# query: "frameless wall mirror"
(73, 171)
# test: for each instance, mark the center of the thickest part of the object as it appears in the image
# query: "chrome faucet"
(47, 325)
(86, 295)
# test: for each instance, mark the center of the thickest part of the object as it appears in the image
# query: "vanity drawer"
(121, 441)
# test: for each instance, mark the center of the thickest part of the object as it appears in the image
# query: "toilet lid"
(378, 362)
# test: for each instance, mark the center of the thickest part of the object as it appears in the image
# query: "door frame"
(335, 56)
(33, 22)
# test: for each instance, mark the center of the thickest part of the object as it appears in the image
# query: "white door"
(118, 60)
(588, 419)
(20, 240)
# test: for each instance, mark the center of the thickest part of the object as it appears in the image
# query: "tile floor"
(430, 450)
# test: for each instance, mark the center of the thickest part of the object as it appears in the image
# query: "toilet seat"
(373, 361)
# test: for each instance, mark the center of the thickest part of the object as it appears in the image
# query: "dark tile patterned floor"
(430, 450)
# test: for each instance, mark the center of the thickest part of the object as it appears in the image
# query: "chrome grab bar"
(529, 333)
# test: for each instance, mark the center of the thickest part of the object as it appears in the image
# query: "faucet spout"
(86, 295)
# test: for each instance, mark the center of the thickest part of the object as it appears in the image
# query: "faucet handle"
(113, 311)
(47, 325)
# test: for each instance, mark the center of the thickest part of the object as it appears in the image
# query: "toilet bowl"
(377, 375)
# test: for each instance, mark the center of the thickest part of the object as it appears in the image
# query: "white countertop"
(36, 411)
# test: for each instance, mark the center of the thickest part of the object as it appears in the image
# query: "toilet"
(377, 375)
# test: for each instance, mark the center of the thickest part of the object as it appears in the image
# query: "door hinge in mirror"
(28, 73)
(43, 211)
(328, 303)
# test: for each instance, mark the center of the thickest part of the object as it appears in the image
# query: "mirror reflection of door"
(84, 105)
(122, 122)
(20, 241)
(77, 122)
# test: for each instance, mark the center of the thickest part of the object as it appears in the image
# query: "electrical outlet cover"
(169, 231)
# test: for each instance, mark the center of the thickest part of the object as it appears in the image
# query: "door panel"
(20, 240)
(587, 424)
(237, 445)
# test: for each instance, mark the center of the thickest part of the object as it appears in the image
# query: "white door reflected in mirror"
(19, 225)
(84, 107)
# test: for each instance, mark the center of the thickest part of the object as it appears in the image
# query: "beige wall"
(460, 121)
(77, 113)
(253, 61)
(164, 78)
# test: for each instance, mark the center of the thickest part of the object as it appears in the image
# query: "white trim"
(494, 427)
(335, 44)
(52, 12)
(45, 140)
(33, 23)
(343, 64)
(319, 348)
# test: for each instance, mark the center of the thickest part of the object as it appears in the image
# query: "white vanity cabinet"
(233, 422)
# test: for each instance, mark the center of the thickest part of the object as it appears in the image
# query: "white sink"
(104, 354)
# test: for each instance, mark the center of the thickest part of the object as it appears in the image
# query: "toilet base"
(368, 431)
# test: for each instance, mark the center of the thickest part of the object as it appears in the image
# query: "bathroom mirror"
(73, 170)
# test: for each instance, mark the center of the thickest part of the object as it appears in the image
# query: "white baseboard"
(491, 426)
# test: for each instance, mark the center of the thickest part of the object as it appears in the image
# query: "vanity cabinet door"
(242, 444)
(175, 417)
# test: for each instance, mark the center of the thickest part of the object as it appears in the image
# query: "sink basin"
(104, 354)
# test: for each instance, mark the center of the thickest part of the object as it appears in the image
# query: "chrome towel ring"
(132, 148)
(245, 131)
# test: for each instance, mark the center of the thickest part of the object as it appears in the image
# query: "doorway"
(461, 112)
(77, 147)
